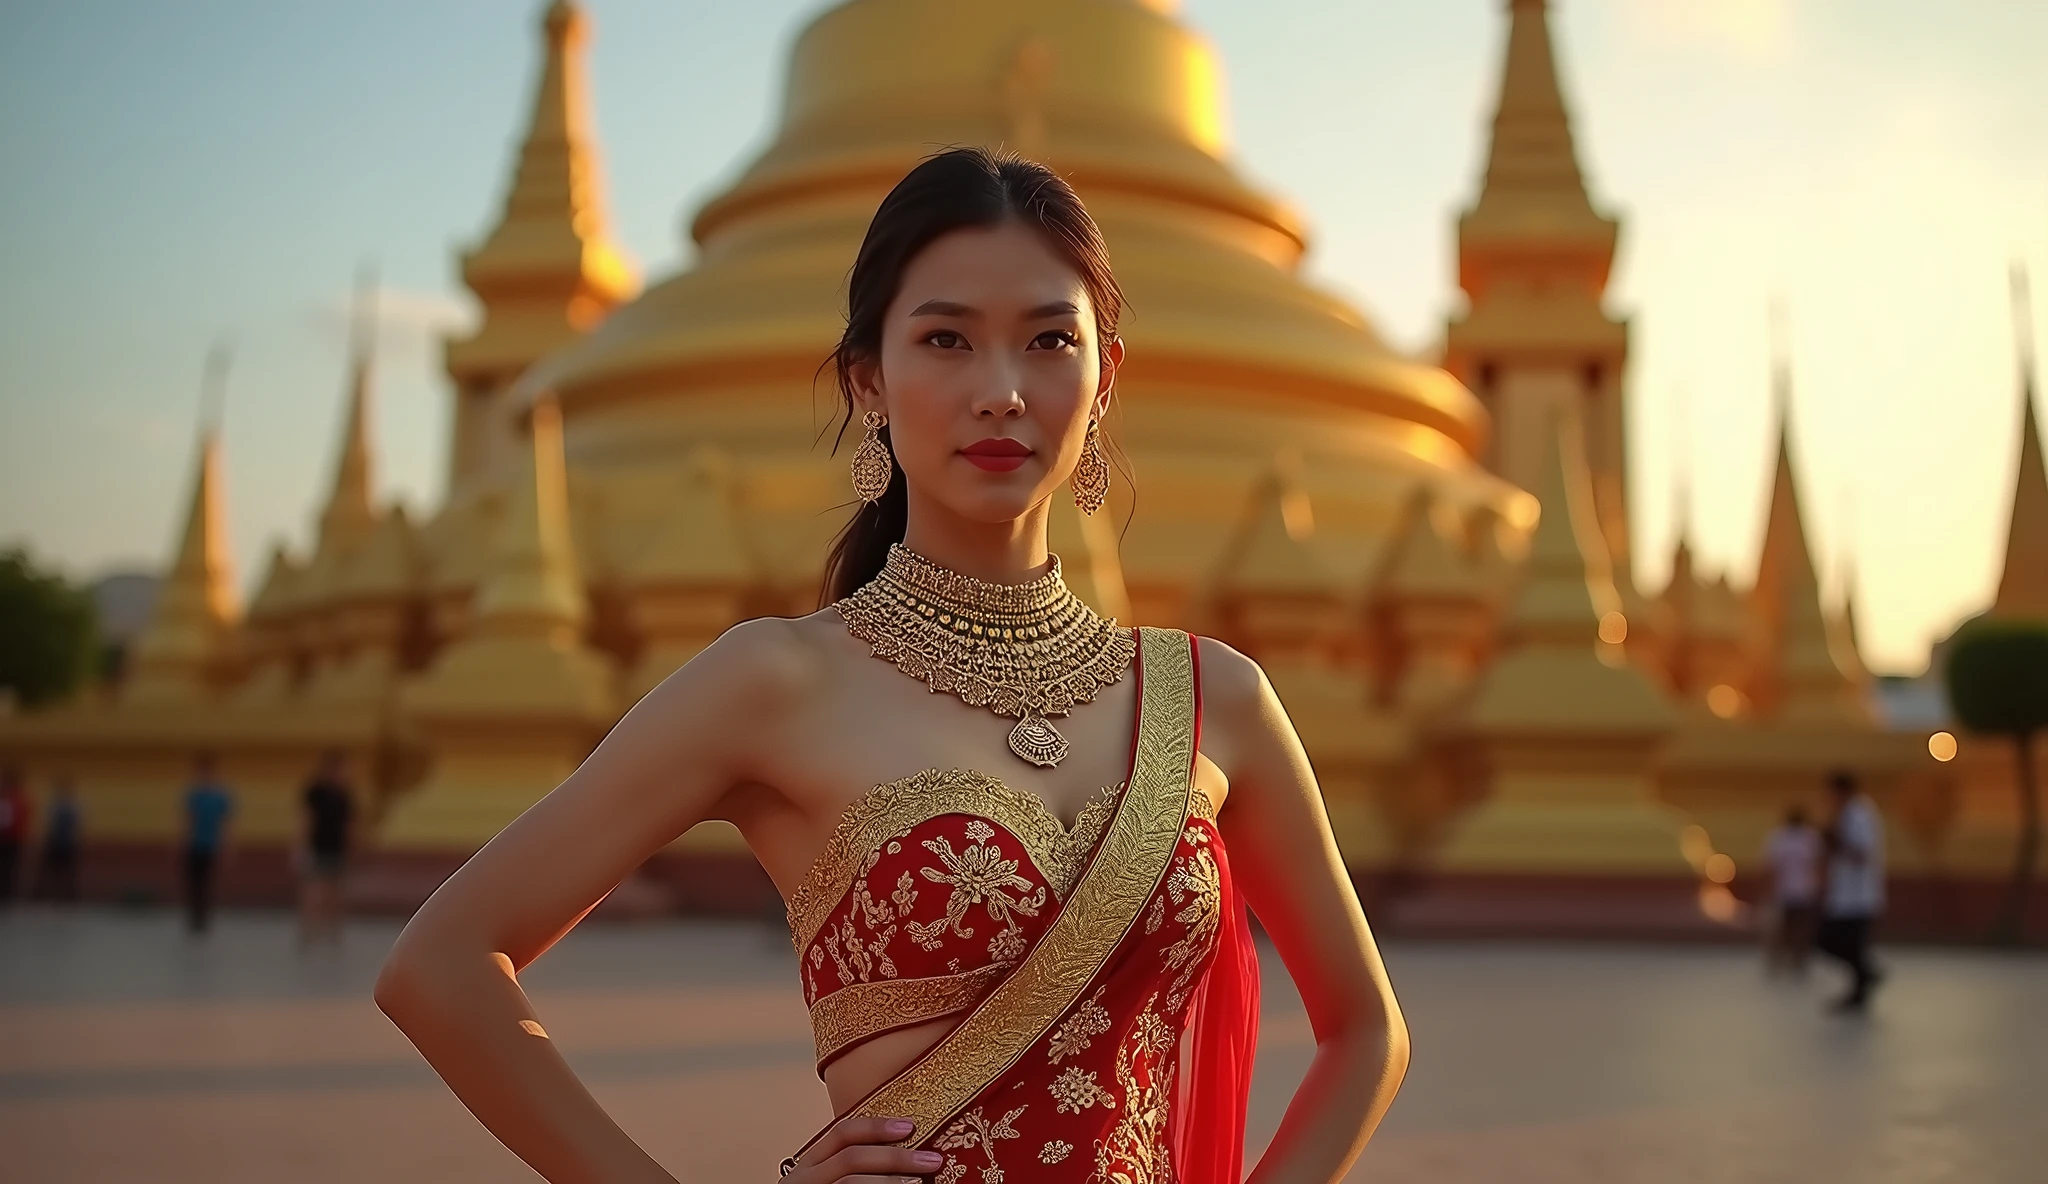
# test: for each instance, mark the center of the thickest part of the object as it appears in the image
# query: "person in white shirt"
(1793, 853)
(1853, 896)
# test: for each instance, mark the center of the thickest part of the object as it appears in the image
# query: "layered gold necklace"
(1025, 650)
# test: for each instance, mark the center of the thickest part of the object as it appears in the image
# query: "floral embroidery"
(1088, 1021)
(1008, 945)
(980, 832)
(971, 1131)
(1196, 880)
(1157, 916)
(1135, 1151)
(1055, 1151)
(951, 1175)
(979, 875)
(1075, 1091)
(886, 814)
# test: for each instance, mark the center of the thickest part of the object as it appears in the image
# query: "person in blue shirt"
(208, 806)
(57, 870)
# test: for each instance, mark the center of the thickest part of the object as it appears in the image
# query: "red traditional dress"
(1104, 974)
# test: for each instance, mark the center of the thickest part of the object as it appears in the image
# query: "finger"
(880, 1161)
(854, 1132)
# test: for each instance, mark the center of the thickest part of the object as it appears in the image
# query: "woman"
(1006, 925)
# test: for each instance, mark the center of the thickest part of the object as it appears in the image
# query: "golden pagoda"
(1432, 562)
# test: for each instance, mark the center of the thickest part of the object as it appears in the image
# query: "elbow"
(408, 983)
(1372, 1040)
(397, 989)
(1397, 1049)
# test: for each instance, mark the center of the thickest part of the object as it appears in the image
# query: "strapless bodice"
(929, 891)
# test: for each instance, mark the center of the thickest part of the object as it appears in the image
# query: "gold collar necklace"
(1025, 650)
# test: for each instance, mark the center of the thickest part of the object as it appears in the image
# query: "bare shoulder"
(767, 663)
(1234, 688)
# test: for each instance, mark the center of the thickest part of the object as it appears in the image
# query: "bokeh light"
(1613, 628)
(1724, 701)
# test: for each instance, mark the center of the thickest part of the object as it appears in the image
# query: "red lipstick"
(996, 456)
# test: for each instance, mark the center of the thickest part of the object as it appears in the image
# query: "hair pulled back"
(960, 188)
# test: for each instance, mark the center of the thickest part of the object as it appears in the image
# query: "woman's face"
(989, 370)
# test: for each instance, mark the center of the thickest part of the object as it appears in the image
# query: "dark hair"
(1795, 815)
(1842, 781)
(952, 190)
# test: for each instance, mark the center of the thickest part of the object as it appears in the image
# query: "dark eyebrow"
(943, 308)
(951, 308)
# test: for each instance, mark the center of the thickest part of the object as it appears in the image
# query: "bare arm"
(1283, 855)
(451, 981)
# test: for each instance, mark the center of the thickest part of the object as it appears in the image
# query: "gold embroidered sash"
(1122, 876)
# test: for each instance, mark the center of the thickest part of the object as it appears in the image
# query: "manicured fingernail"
(899, 1126)
(927, 1159)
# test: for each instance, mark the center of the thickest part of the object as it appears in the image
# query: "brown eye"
(1055, 339)
(945, 339)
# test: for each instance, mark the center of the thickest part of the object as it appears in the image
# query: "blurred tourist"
(1853, 895)
(13, 830)
(1793, 853)
(329, 809)
(208, 806)
(57, 865)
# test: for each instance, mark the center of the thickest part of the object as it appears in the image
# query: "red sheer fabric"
(1209, 1113)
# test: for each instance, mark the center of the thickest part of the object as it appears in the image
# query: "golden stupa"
(1495, 711)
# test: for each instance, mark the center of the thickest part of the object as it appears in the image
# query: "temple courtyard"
(129, 1052)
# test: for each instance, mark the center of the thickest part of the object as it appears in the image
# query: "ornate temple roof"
(1119, 97)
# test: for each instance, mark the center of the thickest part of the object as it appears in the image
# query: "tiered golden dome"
(1235, 358)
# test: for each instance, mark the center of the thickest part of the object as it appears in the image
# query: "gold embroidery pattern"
(1195, 880)
(895, 808)
(977, 876)
(1074, 1034)
(1136, 1152)
(972, 1132)
(1202, 808)
(852, 1014)
(1055, 1151)
(1075, 1091)
(1125, 871)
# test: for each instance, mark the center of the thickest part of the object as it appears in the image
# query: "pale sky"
(219, 168)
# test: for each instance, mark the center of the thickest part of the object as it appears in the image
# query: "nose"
(1001, 395)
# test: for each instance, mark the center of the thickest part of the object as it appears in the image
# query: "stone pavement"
(129, 1053)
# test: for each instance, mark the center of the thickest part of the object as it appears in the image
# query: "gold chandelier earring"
(1091, 476)
(871, 465)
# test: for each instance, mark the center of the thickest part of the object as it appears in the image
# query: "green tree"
(49, 634)
(1998, 685)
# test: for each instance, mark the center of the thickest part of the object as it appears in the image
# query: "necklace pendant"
(1036, 740)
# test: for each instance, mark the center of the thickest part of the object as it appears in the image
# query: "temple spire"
(1568, 582)
(548, 271)
(350, 513)
(179, 654)
(522, 678)
(534, 590)
(1535, 341)
(1793, 666)
(1532, 169)
(2023, 585)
